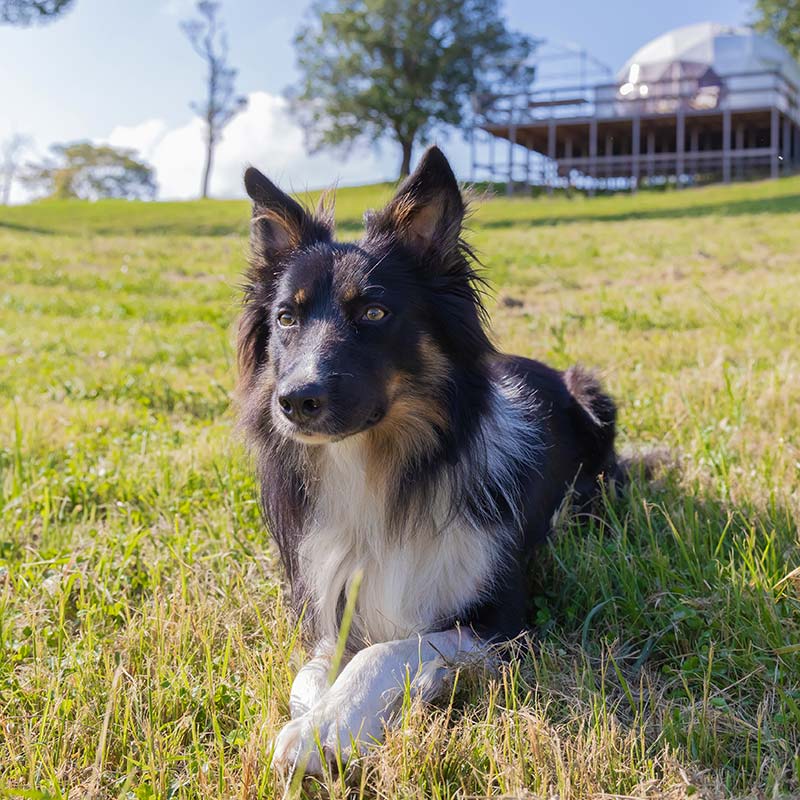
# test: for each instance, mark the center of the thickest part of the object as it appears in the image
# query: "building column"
(786, 147)
(527, 168)
(636, 146)
(739, 151)
(512, 141)
(774, 133)
(726, 146)
(680, 146)
(609, 152)
(568, 152)
(592, 155)
(551, 154)
(796, 138)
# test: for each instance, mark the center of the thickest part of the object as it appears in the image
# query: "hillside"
(145, 649)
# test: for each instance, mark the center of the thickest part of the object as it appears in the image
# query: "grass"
(145, 647)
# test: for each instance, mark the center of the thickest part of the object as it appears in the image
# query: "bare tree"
(11, 152)
(221, 104)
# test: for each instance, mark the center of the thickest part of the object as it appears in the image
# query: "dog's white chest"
(411, 580)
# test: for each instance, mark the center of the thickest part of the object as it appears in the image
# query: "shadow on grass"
(789, 204)
(664, 656)
(16, 226)
(82, 221)
(675, 612)
(354, 225)
(212, 229)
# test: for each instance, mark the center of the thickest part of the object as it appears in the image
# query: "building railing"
(736, 92)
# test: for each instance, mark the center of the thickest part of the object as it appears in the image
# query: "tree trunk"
(210, 143)
(7, 178)
(405, 166)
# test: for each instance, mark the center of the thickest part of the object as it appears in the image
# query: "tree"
(92, 172)
(11, 152)
(402, 67)
(221, 103)
(781, 18)
(25, 12)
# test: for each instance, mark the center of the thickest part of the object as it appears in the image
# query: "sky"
(122, 72)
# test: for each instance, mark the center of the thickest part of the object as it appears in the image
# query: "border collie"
(397, 451)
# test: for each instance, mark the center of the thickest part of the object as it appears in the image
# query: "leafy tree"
(24, 12)
(92, 172)
(221, 104)
(781, 18)
(402, 67)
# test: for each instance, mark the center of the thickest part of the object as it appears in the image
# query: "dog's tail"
(596, 417)
(588, 393)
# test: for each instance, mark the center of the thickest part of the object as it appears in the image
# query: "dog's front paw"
(291, 745)
(319, 742)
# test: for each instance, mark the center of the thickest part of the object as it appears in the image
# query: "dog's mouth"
(319, 433)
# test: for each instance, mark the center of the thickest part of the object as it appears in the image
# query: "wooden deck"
(612, 138)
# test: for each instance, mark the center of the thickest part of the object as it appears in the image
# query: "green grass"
(145, 648)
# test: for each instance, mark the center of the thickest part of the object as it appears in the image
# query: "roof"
(725, 49)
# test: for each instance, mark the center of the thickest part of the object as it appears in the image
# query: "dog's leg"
(365, 696)
(312, 681)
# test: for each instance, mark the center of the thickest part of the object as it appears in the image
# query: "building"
(703, 102)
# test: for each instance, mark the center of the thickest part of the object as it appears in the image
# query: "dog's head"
(341, 338)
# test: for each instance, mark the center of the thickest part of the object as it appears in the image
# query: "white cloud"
(142, 138)
(263, 135)
(178, 8)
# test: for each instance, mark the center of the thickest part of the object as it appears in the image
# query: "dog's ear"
(427, 211)
(279, 223)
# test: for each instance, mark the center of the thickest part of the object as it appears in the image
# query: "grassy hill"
(145, 649)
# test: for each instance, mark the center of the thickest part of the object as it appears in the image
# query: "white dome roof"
(723, 48)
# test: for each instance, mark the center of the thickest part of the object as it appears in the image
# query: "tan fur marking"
(349, 293)
(435, 361)
(402, 209)
(287, 232)
(415, 221)
(414, 417)
(422, 227)
(300, 297)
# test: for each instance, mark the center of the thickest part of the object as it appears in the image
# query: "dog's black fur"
(416, 381)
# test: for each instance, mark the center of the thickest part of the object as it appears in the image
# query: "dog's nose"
(304, 403)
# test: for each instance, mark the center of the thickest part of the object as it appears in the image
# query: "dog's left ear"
(427, 211)
(279, 224)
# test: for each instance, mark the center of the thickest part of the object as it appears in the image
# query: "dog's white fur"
(351, 715)
(411, 581)
(414, 579)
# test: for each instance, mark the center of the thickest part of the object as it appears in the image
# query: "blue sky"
(121, 71)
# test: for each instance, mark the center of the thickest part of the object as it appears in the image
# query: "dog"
(398, 452)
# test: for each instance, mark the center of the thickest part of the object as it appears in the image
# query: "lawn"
(146, 650)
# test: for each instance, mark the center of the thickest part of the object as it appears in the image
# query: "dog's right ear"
(427, 211)
(279, 223)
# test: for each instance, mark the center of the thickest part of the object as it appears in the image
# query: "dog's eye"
(374, 314)
(285, 319)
